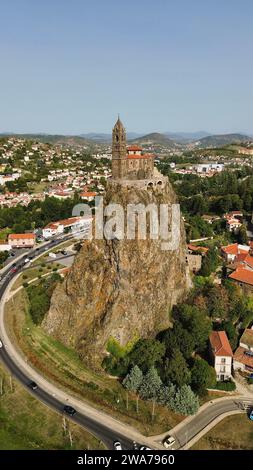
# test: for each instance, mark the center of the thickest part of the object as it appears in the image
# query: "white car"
(117, 445)
(145, 448)
(169, 442)
(27, 260)
(1, 344)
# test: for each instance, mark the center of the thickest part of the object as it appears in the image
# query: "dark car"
(251, 415)
(33, 385)
(69, 410)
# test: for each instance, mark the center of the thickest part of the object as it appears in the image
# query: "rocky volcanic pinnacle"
(118, 288)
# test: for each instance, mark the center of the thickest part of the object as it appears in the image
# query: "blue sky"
(69, 66)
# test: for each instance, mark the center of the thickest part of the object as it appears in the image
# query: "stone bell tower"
(119, 152)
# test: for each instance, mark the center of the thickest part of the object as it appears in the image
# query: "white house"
(76, 224)
(4, 246)
(221, 354)
(88, 196)
(233, 225)
(21, 240)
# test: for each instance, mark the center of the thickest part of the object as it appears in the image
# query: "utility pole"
(70, 438)
(11, 384)
(137, 404)
(153, 409)
(64, 424)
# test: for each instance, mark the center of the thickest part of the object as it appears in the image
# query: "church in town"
(130, 165)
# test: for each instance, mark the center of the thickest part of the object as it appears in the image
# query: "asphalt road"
(203, 419)
(103, 433)
(108, 436)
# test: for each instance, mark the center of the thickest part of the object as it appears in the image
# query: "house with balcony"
(221, 355)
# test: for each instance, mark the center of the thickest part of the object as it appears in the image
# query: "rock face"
(118, 288)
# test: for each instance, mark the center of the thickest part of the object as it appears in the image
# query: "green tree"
(177, 338)
(196, 322)
(203, 376)
(166, 395)
(218, 302)
(150, 385)
(186, 402)
(147, 353)
(175, 370)
(133, 379)
(209, 262)
(242, 236)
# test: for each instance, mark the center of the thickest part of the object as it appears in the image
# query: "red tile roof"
(15, 236)
(198, 248)
(220, 344)
(88, 194)
(242, 257)
(248, 260)
(134, 148)
(145, 155)
(234, 222)
(243, 358)
(233, 249)
(242, 275)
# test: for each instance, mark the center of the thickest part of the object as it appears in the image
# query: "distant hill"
(106, 138)
(53, 139)
(155, 138)
(222, 139)
(186, 137)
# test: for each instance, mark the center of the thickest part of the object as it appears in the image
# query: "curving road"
(103, 426)
(8, 356)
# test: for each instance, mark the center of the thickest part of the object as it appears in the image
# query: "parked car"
(117, 445)
(1, 344)
(251, 415)
(135, 445)
(169, 441)
(33, 385)
(27, 260)
(13, 270)
(145, 448)
(69, 410)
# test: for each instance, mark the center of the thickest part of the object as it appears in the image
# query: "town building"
(243, 356)
(244, 277)
(233, 221)
(221, 354)
(88, 196)
(234, 252)
(21, 240)
(4, 246)
(76, 224)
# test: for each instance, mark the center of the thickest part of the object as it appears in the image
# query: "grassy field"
(234, 432)
(32, 273)
(63, 366)
(21, 419)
